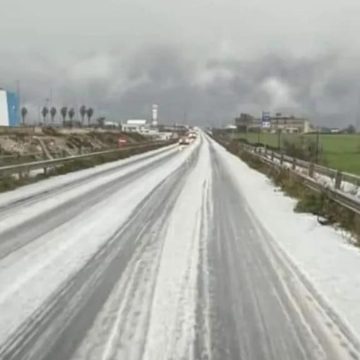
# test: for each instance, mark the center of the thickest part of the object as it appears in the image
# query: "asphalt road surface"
(156, 257)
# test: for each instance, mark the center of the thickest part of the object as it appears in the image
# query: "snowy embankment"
(52, 258)
(320, 253)
(25, 213)
(63, 180)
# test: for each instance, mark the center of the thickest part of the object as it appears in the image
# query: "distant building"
(289, 124)
(135, 125)
(246, 122)
(273, 124)
(110, 124)
(9, 109)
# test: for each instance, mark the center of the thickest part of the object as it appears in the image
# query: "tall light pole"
(317, 145)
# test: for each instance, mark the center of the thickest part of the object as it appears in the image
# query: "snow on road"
(173, 314)
(52, 258)
(138, 273)
(47, 185)
(321, 253)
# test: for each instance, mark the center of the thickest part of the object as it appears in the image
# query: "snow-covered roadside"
(173, 316)
(32, 210)
(321, 253)
(61, 180)
(29, 276)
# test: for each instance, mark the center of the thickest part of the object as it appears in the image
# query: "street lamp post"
(317, 150)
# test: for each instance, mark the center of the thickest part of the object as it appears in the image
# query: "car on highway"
(184, 141)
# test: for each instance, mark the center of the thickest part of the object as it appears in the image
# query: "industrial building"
(135, 125)
(289, 124)
(9, 109)
(273, 124)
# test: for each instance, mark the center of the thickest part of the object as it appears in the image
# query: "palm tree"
(53, 113)
(63, 112)
(71, 114)
(82, 113)
(89, 114)
(44, 113)
(24, 112)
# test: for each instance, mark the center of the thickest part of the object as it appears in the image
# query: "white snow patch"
(32, 210)
(321, 253)
(60, 180)
(30, 275)
(172, 326)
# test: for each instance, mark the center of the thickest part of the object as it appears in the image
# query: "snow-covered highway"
(169, 255)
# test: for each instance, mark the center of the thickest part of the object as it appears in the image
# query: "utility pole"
(317, 145)
(279, 139)
(278, 133)
(51, 97)
(18, 91)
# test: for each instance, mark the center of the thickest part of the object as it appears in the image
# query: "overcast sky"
(206, 60)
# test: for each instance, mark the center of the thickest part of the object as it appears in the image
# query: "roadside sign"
(122, 141)
(266, 120)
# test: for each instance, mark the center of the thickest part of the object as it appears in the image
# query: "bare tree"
(24, 112)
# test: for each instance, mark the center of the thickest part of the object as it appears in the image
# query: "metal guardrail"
(308, 179)
(337, 175)
(25, 168)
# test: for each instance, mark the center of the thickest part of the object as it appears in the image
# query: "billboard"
(9, 109)
(266, 120)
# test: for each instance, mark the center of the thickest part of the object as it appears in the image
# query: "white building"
(111, 124)
(135, 125)
(9, 109)
(155, 112)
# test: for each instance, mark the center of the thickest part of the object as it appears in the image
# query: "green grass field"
(339, 151)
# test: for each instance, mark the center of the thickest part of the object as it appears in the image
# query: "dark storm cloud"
(324, 88)
(216, 59)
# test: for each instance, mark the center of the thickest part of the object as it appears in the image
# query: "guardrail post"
(281, 159)
(294, 164)
(272, 156)
(338, 179)
(265, 150)
(311, 169)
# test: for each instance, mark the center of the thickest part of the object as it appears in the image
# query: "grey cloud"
(210, 60)
(324, 88)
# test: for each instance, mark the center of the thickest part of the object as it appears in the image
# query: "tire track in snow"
(58, 327)
(14, 238)
(172, 329)
(61, 183)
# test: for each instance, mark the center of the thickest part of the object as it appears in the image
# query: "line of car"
(189, 138)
